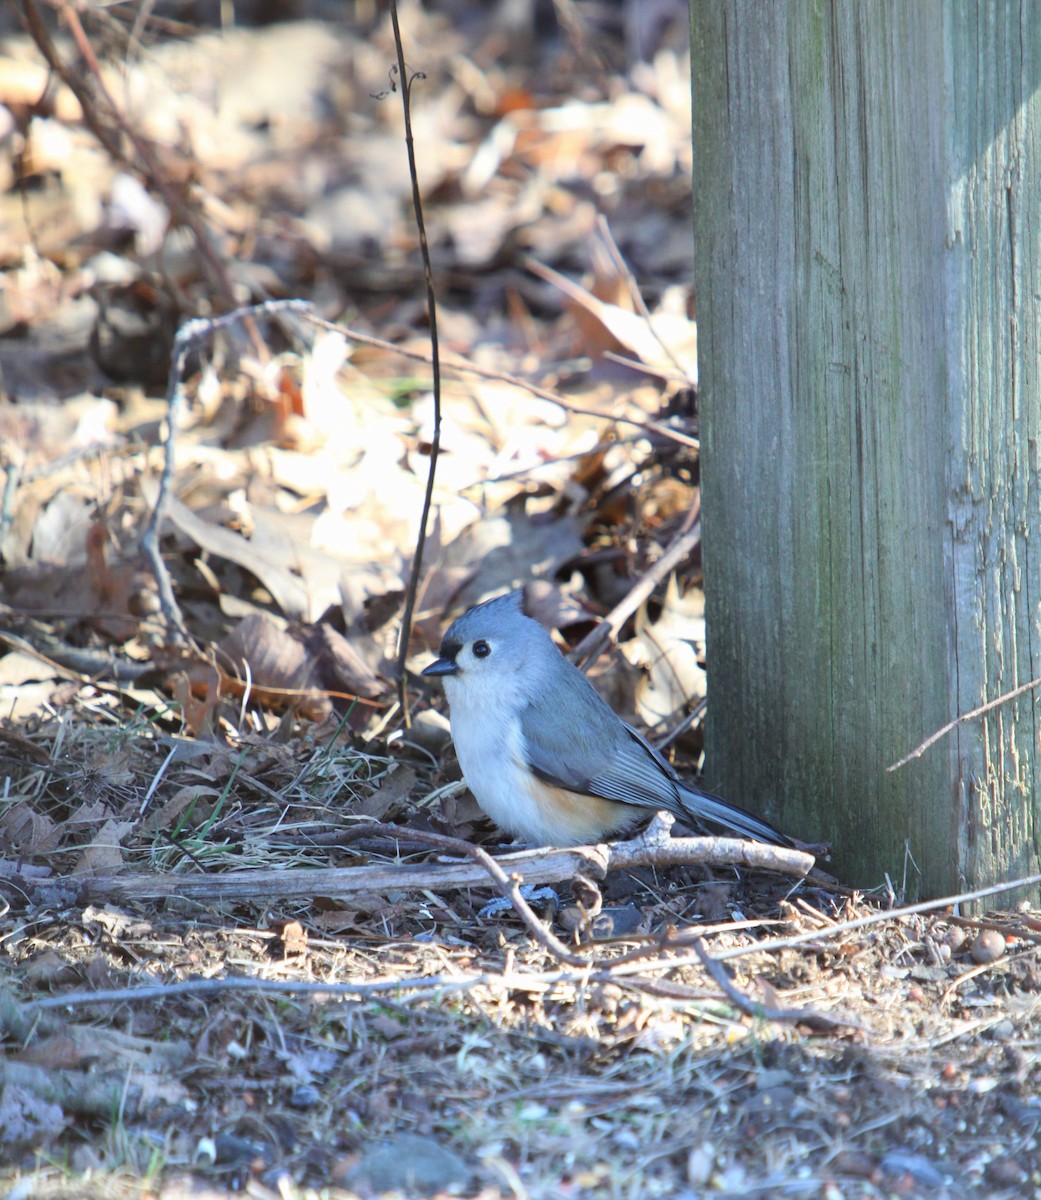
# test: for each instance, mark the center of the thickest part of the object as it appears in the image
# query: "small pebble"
(409, 1162)
(701, 1162)
(1016, 1061)
(304, 1096)
(920, 1168)
(982, 1084)
(988, 947)
(955, 938)
(1002, 1031)
(619, 921)
(607, 998)
(856, 1163)
(1004, 1171)
(569, 918)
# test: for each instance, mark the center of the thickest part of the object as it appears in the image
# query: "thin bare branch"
(810, 1017)
(598, 638)
(526, 866)
(188, 335)
(124, 144)
(879, 918)
(406, 80)
(969, 716)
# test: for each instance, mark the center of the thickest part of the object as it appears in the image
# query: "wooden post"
(867, 190)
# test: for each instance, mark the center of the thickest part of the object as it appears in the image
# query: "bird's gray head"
(491, 640)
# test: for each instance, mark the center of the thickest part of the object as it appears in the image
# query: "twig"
(198, 328)
(969, 716)
(113, 128)
(594, 643)
(645, 425)
(82, 666)
(508, 886)
(406, 82)
(290, 987)
(529, 866)
(189, 333)
(973, 972)
(878, 918)
(695, 714)
(518, 981)
(461, 365)
(635, 364)
(1003, 927)
(766, 1012)
(672, 939)
(594, 305)
(622, 267)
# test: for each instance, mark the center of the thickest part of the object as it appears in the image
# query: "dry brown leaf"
(553, 606)
(668, 650)
(341, 667)
(296, 665)
(667, 344)
(618, 681)
(121, 593)
(268, 564)
(23, 746)
(198, 693)
(48, 969)
(55, 1053)
(293, 939)
(508, 548)
(168, 814)
(105, 852)
(89, 813)
(26, 1117)
(27, 832)
(388, 796)
(260, 652)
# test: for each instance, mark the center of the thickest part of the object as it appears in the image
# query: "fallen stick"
(528, 866)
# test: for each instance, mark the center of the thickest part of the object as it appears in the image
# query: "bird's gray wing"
(590, 750)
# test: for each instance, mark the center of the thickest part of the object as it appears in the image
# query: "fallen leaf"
(668, 651)
(104, 855)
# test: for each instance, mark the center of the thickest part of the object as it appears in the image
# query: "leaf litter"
(438, 1051)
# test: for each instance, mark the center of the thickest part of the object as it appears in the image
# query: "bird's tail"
(703, 806)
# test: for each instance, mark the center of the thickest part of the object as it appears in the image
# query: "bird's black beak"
(441, 666)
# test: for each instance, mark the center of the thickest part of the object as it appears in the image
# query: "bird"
(545, 756)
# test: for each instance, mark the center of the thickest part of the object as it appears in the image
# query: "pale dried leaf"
(105, 852)
(668, 651)
(27, 832)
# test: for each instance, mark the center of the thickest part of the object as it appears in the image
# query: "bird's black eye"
(482, 649)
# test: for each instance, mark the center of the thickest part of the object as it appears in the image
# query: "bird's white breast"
(486, 731)
(489, 742)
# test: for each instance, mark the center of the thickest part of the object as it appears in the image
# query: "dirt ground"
(230, 957)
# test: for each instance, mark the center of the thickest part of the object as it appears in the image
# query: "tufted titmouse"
(545, 756)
